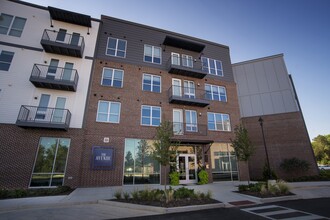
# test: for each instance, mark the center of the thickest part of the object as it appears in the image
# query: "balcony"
(185, 67)
(43, 76)
(189, 129)
(187, 96)
(42, 117)
(62, 43)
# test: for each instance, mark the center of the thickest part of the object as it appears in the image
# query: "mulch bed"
(258, 194)
(174, 203)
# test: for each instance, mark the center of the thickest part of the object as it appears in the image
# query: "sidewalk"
(83, 202)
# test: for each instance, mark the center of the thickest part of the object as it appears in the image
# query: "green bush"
(126, 195)
(174, 178)
(283, 187)
(135, 195)
(294, 165)
(117, 195)
(255, 187)
(242, 188)
(203, 177)
(183, 193)
(265, 173)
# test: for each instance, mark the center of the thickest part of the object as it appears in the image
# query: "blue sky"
(300, 29)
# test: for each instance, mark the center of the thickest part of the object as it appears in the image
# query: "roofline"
(162, 30)
(258, 59)
(45, 8)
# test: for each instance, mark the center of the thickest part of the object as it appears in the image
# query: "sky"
(300, 29)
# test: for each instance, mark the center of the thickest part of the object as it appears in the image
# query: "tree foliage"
(242, 144)
(321, 147)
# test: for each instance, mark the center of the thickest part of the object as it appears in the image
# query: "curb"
(273, 199)
(161, 209)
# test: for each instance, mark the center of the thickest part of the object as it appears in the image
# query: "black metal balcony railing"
(43, 76)
(187, 96)
(194, 129)
(186, 67)
(42, 117)
(62, 43)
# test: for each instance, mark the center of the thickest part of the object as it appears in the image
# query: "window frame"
(216, 122)
(4, 62)
(218, 90)
(185, 58)
(152, 54)
(112, 77)
(152, 82)
(189, 127)
(109, 112)
(116, 48)
(10, 27)
(209, 66)
(150, 116)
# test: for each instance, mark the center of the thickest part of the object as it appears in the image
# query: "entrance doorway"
(187, 168)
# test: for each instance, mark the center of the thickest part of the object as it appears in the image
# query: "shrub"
(183, 193)
(283, 187)
(273, 189)
(208, 194)
(255, 187)
(135, 195)
(117, 195)
(265, 173)
(174, 178)
(294, 165)
(203, 177)
(263, 190)
(242, 188)
(126, 195)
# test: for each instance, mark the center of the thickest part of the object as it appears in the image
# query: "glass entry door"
(187, 168)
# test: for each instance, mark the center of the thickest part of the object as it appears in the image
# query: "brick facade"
(286, 137)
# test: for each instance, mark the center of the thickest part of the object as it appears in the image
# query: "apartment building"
(46, 57)
(266, 94)
(143, 76)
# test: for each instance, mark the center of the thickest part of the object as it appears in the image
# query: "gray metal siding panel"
(138, 35)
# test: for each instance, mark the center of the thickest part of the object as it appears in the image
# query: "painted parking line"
(280, 212)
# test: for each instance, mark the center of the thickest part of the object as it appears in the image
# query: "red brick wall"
(18, 148)
(286, 137)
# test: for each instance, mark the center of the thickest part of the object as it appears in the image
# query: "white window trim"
(187, 57)
(160, 113)
(189, 82)
(218, 88)
(152, 54)
(7, 62)
(223, 125)
(116, 49)
(152, 76)
(191, 124)
(112, 76)
(215, 65)
(108, 113)
(11, 25)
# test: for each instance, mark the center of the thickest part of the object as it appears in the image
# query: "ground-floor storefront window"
(50, 163)
(223, 162)
(139, 166)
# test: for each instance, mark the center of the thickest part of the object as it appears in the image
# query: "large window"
(218, 122)
(151, 83)
(5, 60)
(217, 93)
(116, 47)
(150, 115)
(10, 25)
(212, 66)
(50, 163)
(112, 77)
(223, 162)
(108, 112)
(191, 120)
(139, 165)
(152, 54)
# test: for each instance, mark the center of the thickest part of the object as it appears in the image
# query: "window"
(5, 60)
(191, 120)
(217, 93)
(50, 163)
(61, 35)
(189, 89)
(187, 61)
(152, 54)
(112, 77)
(116, 47)
(10, 25)
(151, 83)
(139, 165)
(218, 122)
(211, 66)
(150, 115)
(108, 112)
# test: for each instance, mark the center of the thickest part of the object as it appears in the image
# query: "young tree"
(242, 144)
(164, 148)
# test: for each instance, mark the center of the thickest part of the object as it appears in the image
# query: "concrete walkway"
(83, 202)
